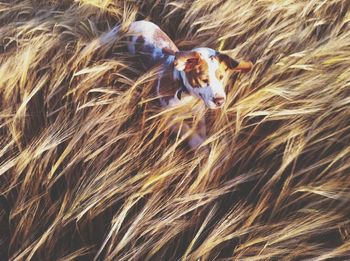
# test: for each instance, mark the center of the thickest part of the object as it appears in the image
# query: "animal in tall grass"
(196, 74)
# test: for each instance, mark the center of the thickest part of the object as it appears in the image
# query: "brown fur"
(160, 36)
(197, 75)
(197, 72)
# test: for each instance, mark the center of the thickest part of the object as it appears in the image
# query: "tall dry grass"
(90, 170)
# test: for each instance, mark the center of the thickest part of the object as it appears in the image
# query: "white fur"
(207, 94)
(215, 88)
(147, 30)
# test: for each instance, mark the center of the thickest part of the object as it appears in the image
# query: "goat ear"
(234, 65)
(186, 60)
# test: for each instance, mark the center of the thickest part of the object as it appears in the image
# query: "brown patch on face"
(197, 75)
(186, 60)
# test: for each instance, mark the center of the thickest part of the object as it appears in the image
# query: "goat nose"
(219, 101)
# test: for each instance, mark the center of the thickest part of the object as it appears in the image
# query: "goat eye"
(221, 77)
(206, 81)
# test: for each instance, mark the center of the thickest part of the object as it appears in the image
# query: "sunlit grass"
(90, 169)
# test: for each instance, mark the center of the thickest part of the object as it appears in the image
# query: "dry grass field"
(89, 168)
